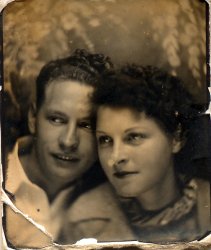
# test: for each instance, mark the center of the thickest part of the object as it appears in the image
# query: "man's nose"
(69, 137)
(119, 156)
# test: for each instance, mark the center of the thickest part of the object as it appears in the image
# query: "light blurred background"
(165, 33)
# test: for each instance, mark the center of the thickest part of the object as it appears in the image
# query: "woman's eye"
(86, 125)
(104, 140)
(135, 137)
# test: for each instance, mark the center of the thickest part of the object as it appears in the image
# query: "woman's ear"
(178, 140)
(177, 145)
(32, 118)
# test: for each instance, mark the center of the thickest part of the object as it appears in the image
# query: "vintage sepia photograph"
(106, 128)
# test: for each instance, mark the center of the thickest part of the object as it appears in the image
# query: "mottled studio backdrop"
(166, 33)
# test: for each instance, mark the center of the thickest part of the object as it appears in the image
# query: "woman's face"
(135, 153)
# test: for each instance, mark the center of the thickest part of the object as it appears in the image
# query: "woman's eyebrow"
(133, 128)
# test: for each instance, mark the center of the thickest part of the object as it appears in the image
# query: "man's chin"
(67, 176)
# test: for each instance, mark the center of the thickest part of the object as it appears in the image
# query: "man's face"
(65, 144)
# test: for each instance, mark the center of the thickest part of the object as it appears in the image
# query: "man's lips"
(122, 174)
(68, 158)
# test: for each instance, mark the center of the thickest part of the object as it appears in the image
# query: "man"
(49, 169)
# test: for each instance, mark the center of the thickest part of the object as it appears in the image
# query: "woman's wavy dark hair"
(81, 66)
(160, 95)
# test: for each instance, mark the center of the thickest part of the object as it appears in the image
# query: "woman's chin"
(125, 194)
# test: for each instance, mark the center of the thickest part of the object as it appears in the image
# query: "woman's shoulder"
(202, 183)
(203, 204)
(203, 192)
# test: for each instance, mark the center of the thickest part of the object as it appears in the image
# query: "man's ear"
(32, 118)
(178, 140)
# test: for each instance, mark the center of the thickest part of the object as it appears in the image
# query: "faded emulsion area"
(63, 181)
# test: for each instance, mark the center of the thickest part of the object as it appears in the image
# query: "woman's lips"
(123, 174)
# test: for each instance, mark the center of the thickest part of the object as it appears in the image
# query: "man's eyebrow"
(100, 132)
(86, 115)
(55, 112)
(86, 118)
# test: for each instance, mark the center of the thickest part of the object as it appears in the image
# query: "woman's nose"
(69, 138)
(118, 156)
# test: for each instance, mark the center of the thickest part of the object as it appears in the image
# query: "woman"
(144, 118)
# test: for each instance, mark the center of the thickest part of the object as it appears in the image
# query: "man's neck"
(32, 169)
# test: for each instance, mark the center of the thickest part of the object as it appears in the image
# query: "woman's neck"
(162, 194)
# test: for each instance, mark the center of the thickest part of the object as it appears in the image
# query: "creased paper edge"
(4, 3)
(6, 200)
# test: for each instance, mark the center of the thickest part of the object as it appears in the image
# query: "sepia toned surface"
(174, 40)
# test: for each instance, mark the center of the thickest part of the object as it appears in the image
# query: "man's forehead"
(68, 97)
(60, 89)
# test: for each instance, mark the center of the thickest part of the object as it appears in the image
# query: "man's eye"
(86, 125)
(56, 120)
(135, 137)
(104, 140)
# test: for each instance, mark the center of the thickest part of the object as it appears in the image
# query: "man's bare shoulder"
(99, 200)
(96, 214)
